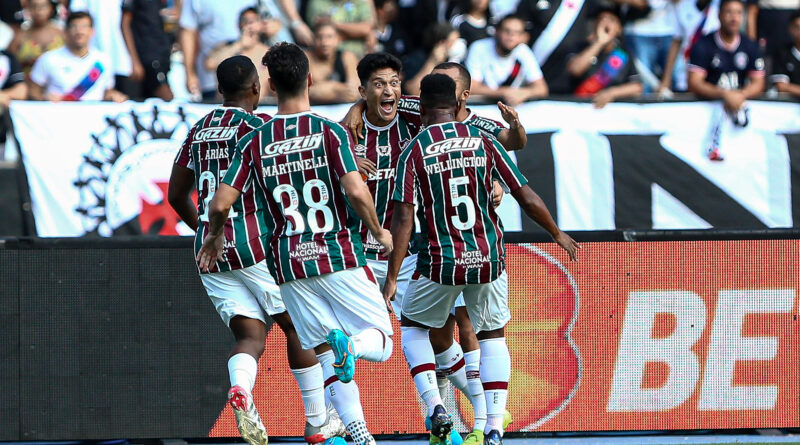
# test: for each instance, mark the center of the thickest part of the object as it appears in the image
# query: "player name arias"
(213, 134)
(292, 145)
(452, 144)
(450, 164)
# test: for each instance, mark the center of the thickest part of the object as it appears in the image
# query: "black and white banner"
(103, 168)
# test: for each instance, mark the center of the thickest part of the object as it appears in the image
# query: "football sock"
(495, 373)
(311, 389)
(451, 364)
(472, 361)
(242, 369)
(344, 396)
(419, 355)
(373, 345)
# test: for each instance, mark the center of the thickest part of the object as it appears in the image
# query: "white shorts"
(250, 292)
(430, 303)
(407, 269)
(348, 300)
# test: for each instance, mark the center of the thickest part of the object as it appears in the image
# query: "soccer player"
(239, 283)
(449, 167)
(305, 176)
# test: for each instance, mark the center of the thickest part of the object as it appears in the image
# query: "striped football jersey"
(451, 168)
(296, 161)
(208, 150)
(409, 106)
(383, 145)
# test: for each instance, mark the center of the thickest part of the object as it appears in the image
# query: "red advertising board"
(633, 336)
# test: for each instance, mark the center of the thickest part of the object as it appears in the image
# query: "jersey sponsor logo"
(308, 251)
(472, 259)
(382, 174)
(715, 61)
(759, 63)
(483, 124)
(214, 134)
(452, 144)
(292, 145)
(404, 143)
(361, 150)
(123, 183)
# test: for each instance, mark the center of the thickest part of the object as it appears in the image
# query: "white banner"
(103, 168)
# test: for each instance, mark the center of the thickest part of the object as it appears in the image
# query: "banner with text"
(103, 168)
(634, 336)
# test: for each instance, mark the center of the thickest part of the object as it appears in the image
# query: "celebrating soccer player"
(239, 283)
(305, 177)
(449, 167)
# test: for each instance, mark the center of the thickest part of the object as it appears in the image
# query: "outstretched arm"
(361, 200)
(534, 207)
(514, 137)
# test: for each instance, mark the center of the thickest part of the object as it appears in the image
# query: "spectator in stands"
(786, 66)
(12, 82)
(75, 71)
(43, 35)
(767, 21)
(552, 40)
(282, 23)
(11, 13)
(391, 38)
(474, 22)
(504, 67)
(353, 19)
(649, 30)
(441, 43)
(250, 26)
(694, 19)
(727, 65)
(333, 70)
(420, 15)
(108, 38)
(601, 68)
(149, 46)
(204, 25)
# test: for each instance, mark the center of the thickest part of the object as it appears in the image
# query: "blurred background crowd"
(516, 50)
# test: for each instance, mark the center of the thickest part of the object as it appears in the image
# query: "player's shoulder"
(749, 46)
(408, 103)
(483, 46)
(330, 126)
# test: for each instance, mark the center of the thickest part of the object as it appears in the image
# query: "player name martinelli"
(295, 166)
(450, 164)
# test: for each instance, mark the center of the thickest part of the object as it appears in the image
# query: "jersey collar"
(470, 115)
(727, 46)
(796, 52)
(375, 127)
(288, 116)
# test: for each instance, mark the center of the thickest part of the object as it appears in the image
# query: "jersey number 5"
(296, 223)
(457, 199)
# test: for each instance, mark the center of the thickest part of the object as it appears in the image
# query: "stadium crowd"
(516, 50)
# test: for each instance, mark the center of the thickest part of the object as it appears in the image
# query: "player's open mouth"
(387, 105)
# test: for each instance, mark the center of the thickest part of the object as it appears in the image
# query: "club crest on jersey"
(740, 59)
(292, 145)
(452, 144)
(213, 134)
(384, 150)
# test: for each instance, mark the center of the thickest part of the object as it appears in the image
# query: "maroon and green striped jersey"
(451, 167)
(409, 106)
(208, 150)
(383, 145)
(297, 161)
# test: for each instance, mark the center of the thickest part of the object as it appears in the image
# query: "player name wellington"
(450, 164)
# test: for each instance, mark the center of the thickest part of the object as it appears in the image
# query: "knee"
(388, 347)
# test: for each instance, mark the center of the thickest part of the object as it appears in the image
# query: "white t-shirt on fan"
(83, 78)
(517, 69)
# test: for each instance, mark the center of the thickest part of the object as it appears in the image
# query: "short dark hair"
(288, 68)
(522, 19)
(235, 75)
(374, 62)
(795, 15)
(324, 24)
(77, 16)
(435, 33)
(722, 3)
(463, 72)
(245, 11)
(437, 90)
(379, 3)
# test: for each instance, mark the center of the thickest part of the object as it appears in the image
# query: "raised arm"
(534, 207)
